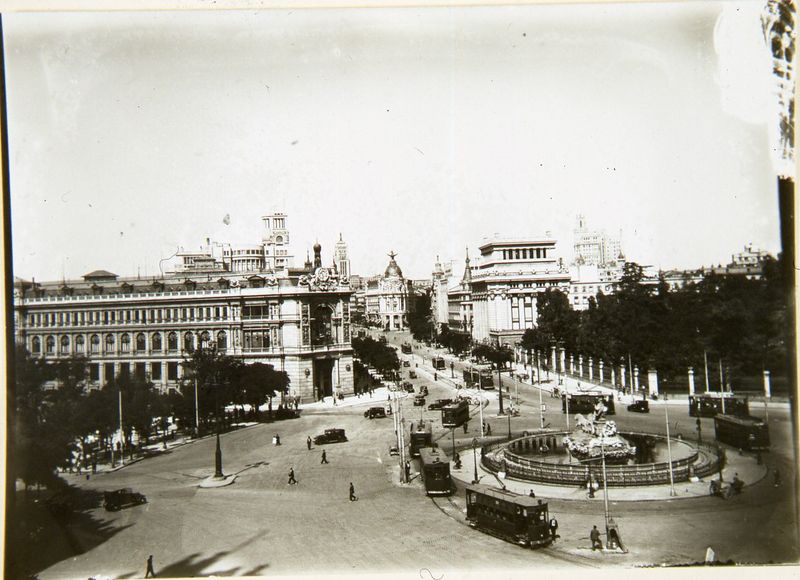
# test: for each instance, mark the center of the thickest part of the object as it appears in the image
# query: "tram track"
(449, 508)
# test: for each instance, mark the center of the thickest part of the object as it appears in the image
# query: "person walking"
(150, 572)
(594, 536)
(408, 470)
(466, 426)
(324, 457)
(292, 480)
(308, 442)
(353, 492)
(553, 528)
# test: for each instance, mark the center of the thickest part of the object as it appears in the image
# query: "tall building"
(387, 298)
(341, 259)
(459, 299)
(505, 283)
(439, 287)
(296, 320)
(594, 247)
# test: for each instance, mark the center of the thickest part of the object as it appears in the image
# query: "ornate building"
(387, 298)
(439, 287)
(296, 320)
(459, 302)
(341, 259)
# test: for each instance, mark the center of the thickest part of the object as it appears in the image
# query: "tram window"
(524, 513)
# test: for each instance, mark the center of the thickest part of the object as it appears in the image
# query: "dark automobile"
(419, 400)
(409, 388)
(639, 407)
(412, 374)
(121, 498)
(330, 436)
(438, 404)
(373, 412)
(423, 390)
(406, 363)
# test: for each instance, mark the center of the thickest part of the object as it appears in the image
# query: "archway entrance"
(323, 378)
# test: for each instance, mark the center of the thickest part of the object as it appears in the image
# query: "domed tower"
(392, 297)
(317, 256)
(341, 260)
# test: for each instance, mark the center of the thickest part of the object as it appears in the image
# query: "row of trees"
(376, 353)
(742, 322)
(50, 424)
(455, 342)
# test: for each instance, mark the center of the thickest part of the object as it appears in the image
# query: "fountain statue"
(596, 436)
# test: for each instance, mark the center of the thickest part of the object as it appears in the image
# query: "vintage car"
(412, 374)
(419, 400)
(639, 407)
(406, 363)
(121, 498)
(374, 412)
(438, 404)
(423, 390)
(408, 387)
(330, 436)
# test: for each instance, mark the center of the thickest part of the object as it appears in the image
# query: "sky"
(418, 130)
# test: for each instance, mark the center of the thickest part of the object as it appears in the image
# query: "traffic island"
(213, 481)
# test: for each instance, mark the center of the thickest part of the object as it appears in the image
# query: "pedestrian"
(324, 457)
(408, 470)
(353, 492)
(466, 423)
(531, 494)
(594, 536)
(292, 480)
(488, 429)
(150, 572)
(308, 442)
(277, 439)
(554, 528)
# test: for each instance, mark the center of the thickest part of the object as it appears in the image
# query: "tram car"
(480, 378)
(516, 518)
(420, 437)
(438, 363)
(587, 403)
(744, 432)
(435, 469)
(405, 348)
(455, 414)
(710, 404)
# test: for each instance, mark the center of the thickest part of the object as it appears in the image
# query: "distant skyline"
(415, 130)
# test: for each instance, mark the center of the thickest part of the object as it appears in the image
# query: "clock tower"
(277, 255)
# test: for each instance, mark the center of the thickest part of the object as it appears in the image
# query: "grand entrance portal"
(323, 378)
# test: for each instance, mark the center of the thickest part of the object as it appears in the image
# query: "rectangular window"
(172, 371)
(155, 371)
(108, 371)
(140, 371)
(94, 372)
(124, 370)
(136, 316)
(216, 312)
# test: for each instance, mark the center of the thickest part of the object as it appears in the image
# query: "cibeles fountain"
(595, 445)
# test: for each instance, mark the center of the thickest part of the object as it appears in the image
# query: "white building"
(341, 260)
(442, 274)
(594, 247)
(387, 298)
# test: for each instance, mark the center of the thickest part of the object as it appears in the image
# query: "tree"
(259, 381)
(216, 375)
(420, 319)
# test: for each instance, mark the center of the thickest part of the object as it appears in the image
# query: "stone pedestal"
(580, 365)
(600, 369)
(622, 382)
(553, 359)
(591, 369)
(572, 364)
(636, 378)
(652, 382)
(613, 377)
(691, 381)
(767, 385)
(562, 360)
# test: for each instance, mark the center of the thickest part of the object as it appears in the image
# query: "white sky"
(418, 130)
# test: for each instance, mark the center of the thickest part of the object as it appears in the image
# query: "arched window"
(140, 342)
(64, 345)
(155, 342)
(79, 342)
(205, 338)
(94, 344)
(172, 341)
(36, 345)
(125, 343)
(50, 345)
(188, 342)
(222, 340)
(109, 343)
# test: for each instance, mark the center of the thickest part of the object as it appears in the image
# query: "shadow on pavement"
(196, 565)
(51, 527)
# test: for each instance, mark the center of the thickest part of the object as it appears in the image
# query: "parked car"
(639, 407)
(121, 498)
(412, 374)
(409, 388)
(423, 390)
(330, 436)
(419, 400)
(374, 412)
(406, 363)
(438, 404)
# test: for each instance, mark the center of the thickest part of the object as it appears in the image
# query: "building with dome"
(388, 298)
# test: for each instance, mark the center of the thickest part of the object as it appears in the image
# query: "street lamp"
(474, 460)
(452, 373)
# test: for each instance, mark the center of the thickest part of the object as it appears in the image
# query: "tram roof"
(430, 455)
(506, 495)
(741, 419)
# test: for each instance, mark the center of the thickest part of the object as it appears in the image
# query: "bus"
(435, 471)
(515, 518)
(481, 378)
(420, 437)
(710, 404)
(744, 432)
(587, 403)
(455, 414)
(438, 363)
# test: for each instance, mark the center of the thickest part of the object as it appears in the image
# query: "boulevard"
(260, 525)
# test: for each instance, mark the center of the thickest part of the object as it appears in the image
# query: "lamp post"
(605, 485)
(121, 432)
(196, 410)
(509, 426)
(452, 372)
(474, 460)
(541, 409)
(669, 453)
(453, 435)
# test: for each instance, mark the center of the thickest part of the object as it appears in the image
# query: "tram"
(481, 378)
(455, 414)
(420, 437)
(710, 404)
(744, 432)
(435, 470)
(438, 363)
(405, 348)
(513, 517)
(587, 403)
